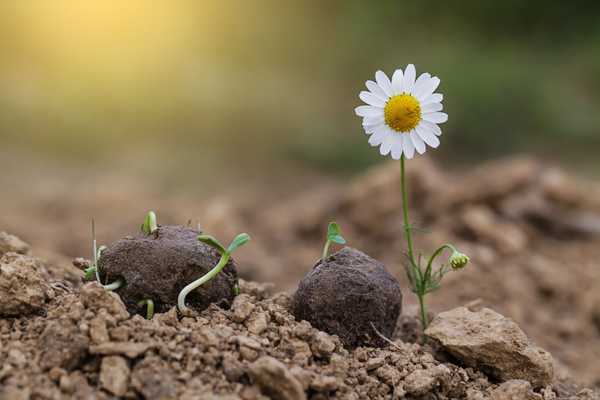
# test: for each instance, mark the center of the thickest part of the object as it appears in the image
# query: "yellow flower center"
(402, 113)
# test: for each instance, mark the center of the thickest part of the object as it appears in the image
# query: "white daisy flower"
(402, 115)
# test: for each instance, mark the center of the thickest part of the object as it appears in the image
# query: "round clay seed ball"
(157, 266)
(346, 293)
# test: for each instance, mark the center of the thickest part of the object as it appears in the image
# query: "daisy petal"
(427, 88)
(371, 99)
(432, 127)
(384, 82)
(436, 117)
(421, 81)
(427, 136)
(397, 81)
(373, 121)
(431, 107)
(386, 145)
(368, 111)
(409, 79)
(434, 98)
(397, 147)
(408, 146)
(417, 142)
(376, 90)
(377, 137)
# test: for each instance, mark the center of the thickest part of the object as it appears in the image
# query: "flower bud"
(458, 260)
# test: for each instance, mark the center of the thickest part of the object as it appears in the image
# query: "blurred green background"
(264, 83)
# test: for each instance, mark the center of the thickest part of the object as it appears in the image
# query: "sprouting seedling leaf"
(90, 272)
(149, 226)
(334, 233)
(213, 242)
(239, 241)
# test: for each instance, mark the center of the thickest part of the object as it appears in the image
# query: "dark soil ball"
(347, 292)
(159, 265)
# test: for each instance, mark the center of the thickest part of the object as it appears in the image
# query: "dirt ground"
(532, 232)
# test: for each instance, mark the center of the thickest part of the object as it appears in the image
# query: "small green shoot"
(239, 241)
(149, 307)
(149, 226)
(93, 269)
(334, 235)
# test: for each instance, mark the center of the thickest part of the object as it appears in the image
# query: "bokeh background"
(239, 83)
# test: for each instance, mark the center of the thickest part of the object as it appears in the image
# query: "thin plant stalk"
(326, 249)
(149, 307)
(420, 291)
(207, 277)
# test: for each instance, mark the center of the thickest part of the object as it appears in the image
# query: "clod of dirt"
(346, 295)
(515, 389)
(492, 343)
(10, 243)
(23, 290)
(159, 265)
(114, 375)
(96, 298)
(62, 345)
(276, 380)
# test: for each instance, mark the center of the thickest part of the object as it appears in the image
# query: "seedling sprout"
(225, 253)
(334, 235)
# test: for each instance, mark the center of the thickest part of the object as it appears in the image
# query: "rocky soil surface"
(532, 231)
(79, 341)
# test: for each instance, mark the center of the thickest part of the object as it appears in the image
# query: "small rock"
(374, 363)
(153, 380)
(322, 383)
(322, 345)
(98, 331)
(420, 382)
(129, 349)
(346, 295)
(492, 343)
(95, 297)
(242, 307)
(23, 290)
(275, 379)
(515, 389)
(62, 345)
(10, 243)
(114, 375)
(257, 323)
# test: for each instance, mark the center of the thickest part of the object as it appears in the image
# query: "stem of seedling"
(334, 235)
(93, 269)
(149, 307)
(239, 240)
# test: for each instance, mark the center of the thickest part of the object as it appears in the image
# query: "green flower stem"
(326, 249)
(149, 307)
(420, 284)
(207, 277)
(436, 254)
(405, 212)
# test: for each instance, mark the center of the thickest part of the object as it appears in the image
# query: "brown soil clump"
(348, 294)
(159, 265)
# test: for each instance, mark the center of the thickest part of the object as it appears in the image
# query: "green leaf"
(211, 241)
(90, 272)
(338, 239)
(334, 233)
(333, 229)
(239, 240)
(149, 226)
